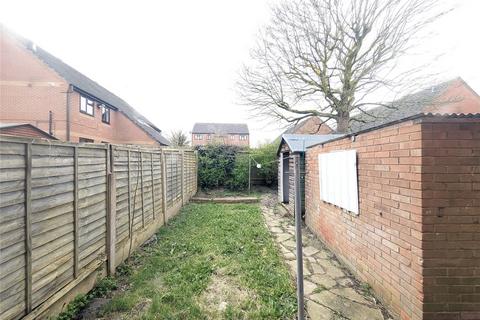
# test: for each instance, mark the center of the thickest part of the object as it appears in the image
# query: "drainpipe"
(70, 90)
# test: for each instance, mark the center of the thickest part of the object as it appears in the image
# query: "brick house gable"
(31, 77)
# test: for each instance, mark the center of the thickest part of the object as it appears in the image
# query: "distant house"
(236, 134)
(450, 97)
(311, 125)
(24, 130)
(40, 89)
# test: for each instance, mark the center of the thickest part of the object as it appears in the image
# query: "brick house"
(40, 89)
(406, 214)
(236, 134)
(311, 125)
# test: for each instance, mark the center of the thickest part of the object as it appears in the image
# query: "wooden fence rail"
(67, 209)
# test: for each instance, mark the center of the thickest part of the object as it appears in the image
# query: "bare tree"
(329, 58)
(178, 138)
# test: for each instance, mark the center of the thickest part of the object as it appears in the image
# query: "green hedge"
(222, 166)
(227, 166)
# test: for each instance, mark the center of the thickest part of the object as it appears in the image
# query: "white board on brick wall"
(338, 179)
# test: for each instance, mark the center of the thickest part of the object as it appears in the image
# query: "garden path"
(330, 291)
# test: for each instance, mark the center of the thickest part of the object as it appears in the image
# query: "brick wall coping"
(421, 117)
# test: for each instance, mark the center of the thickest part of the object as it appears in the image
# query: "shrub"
(216, 166)
(239, 177)
(266, 155)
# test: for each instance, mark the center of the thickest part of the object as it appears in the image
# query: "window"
(232, 137)
(85, 140)
(86, 105)
(243, 137)
(338, 179)
(105, 114)
(209, 136)
(198, 137)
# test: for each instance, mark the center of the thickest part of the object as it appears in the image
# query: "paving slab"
(330, 291)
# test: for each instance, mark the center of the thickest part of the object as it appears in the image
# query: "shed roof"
(220, 128)
(7, 126)
(300, 142)
(85, 85)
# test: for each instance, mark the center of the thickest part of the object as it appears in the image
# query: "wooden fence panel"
(173, 175)
(54, 207)
(52, 227)
(12, 230)
(92, 205)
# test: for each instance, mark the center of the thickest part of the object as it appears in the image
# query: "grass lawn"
(211, 261)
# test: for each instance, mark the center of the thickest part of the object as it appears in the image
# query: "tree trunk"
(343, 121)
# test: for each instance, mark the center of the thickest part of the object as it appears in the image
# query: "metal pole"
(298, 236)
(249, 173)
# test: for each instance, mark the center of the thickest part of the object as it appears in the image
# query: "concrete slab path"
(330, 291)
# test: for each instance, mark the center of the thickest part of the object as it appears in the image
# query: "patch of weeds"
(101, 289)
(319, 288)
(366, 288)
(124, 270)
(74, 307)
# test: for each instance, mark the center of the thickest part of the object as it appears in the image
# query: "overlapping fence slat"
(61, 204)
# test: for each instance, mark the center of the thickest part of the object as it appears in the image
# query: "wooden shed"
(291, 144)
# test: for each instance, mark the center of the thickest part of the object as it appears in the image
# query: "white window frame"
(87, 106)
(338, 179)
(232, 137)
(243, 137)
(198, 136)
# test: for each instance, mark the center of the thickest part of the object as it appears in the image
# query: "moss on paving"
(203, 242)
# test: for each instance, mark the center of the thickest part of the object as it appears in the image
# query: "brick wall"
(393, 243)
(119, 130)
(221, 139)
(451, 220)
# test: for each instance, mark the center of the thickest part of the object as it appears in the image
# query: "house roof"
(293, 128)
(83, 84)
(300, 142)
(404, 107)
(18, 125)
(220, 128)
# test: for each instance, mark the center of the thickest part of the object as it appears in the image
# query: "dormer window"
(105, 114)
(86, 106)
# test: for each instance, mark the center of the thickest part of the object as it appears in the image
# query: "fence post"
(129, 197)
(141, 189)
(75, 212)
(112, 211)
(153, 186)
(182, 154)
(28, 227)
(196, 171)
(164, 185)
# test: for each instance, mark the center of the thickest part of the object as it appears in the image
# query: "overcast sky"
(176, 62)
